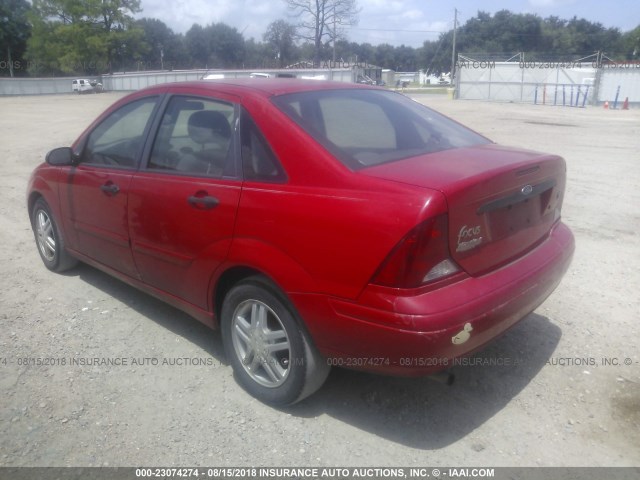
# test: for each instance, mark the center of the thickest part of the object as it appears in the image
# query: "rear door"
(183, 202)
(96, 194)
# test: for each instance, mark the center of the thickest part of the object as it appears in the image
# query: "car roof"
(265, 86)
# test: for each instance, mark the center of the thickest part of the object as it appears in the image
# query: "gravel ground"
(565, 392)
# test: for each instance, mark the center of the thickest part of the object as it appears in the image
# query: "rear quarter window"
(343, 119)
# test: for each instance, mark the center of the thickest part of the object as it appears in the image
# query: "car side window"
(259, 163)
(117, 140)
(195, 137)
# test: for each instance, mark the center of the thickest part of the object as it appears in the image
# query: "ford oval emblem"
(526, 190)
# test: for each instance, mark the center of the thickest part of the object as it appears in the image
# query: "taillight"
(422, 256)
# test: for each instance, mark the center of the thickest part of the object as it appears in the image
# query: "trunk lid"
(502, 201)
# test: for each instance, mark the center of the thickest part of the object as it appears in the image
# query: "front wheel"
(49, 239)
(269, 351)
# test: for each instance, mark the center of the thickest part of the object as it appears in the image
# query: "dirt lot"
(566, 394)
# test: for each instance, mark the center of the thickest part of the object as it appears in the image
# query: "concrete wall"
(511, 82)
(627, 79)
(37, 86)
(138, 80)
(539, 83)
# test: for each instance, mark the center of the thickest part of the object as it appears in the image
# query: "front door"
(182, 206)
(97, 191)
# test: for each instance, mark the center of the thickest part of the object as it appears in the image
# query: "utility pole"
(334, 34)
(10, 61)
(453, 49)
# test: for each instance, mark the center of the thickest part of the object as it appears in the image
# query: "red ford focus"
(316, 224)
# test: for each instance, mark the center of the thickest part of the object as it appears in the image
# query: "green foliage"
(215, 46)
(631, 42)
(258, 54)
(83, 36)
(98, 36)
(280, 37)
(163, 49)
(576, 37)
(504, 34)
(14, 32)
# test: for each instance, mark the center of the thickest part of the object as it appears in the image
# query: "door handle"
(205, 203)
(110, 188)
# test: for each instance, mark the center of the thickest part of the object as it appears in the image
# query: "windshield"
(364, 128)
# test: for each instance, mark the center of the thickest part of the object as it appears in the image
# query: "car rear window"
(364, 128)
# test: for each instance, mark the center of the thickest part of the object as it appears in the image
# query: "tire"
(49, 239)
(271, 354)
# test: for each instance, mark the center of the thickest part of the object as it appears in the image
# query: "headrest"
(206, 126)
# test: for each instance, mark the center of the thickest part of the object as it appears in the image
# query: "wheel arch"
(40, 188)
(249, 257)
(229, 278)
(238, 272)
(31, 201)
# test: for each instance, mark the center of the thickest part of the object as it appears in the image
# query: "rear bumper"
(414, 335)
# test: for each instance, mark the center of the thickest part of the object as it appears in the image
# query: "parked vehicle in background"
(83, 85)
(316, 224)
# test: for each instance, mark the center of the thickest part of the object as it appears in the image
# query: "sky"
(397, 22)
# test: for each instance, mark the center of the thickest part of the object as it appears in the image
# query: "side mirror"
(60, 157)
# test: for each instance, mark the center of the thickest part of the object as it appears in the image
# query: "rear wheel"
(49, 239)
(269, 351)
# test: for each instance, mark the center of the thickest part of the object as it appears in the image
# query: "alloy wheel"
(261, 343)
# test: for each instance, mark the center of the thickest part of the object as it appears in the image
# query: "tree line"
(91, 37)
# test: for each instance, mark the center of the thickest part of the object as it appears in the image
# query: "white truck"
(82, 85)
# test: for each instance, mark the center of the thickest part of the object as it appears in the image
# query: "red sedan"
(317, 224)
